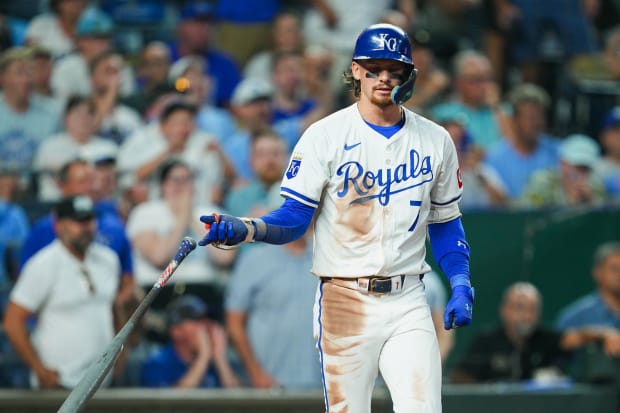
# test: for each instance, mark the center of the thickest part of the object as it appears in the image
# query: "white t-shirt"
(73, 326)
(58, 149)
(45, 31)
(376, 196)
(71, 76)
(353, 17)
(157, 216)
(148, 142)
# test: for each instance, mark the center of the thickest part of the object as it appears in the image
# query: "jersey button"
(388, 161)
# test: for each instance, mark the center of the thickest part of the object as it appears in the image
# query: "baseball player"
(379, 178)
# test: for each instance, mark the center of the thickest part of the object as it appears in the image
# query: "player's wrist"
(460, 280)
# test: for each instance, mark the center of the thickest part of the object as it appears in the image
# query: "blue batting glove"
(459, 308)
(223, 229)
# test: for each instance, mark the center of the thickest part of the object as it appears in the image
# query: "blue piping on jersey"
(321, 348)
(446, 203)
(301, 198)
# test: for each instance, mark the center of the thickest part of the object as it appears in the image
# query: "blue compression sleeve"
(451, 250)
(286, 223)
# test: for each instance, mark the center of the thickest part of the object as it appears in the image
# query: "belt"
(372, 285)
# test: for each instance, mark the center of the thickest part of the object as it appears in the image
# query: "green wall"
(551, 249)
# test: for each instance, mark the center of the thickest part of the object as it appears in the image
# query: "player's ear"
(356, 70)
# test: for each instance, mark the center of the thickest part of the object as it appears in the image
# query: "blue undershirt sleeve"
(285, 224)
(451, 250)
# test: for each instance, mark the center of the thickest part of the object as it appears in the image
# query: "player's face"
(377, 79)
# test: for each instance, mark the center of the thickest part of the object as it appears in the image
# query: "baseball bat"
(96, 373)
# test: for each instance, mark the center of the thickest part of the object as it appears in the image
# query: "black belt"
(374, 285)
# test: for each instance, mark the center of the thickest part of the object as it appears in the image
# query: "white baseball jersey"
(377, 195)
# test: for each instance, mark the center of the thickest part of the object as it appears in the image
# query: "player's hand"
(223, 229)
(459, 308)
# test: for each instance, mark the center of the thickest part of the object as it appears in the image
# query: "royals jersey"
(376, 195)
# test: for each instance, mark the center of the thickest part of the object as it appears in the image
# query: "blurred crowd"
(121, 122)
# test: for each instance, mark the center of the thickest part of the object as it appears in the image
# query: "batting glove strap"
(251, 224)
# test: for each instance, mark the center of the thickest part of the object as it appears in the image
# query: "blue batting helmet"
(383, 41)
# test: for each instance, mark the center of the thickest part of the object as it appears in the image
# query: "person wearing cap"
(24, 121)
(197, 355)
(70, 286)
(174, 136)
(55, 31)
(78, 139)
(573, 182)
(533, 148)
(609, 166)
(195, 37)
(70, 74)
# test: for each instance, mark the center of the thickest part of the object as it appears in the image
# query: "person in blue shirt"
(532, 149)
(193, 38)
(77, 177)
(196, 356)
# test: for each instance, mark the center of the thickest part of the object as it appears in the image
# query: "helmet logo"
(389, 43)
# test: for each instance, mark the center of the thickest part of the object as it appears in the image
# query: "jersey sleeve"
(307, 172)
(448, 190)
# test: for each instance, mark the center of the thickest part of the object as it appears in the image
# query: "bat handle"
(187, 246)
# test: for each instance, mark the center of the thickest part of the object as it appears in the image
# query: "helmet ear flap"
(402, 93)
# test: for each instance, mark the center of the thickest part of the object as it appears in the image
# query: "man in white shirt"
(70, 285)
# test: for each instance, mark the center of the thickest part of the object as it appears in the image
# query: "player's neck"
(380, 116)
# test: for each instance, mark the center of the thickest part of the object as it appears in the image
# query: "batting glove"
(226, 230)
(459, 308)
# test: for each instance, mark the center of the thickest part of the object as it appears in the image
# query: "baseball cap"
(14, 54)
(77, 207)
(580, 150)
(94, 23)
(197, 10)
(187, 307)
(99, 154)
(251, 89)
(612, 118)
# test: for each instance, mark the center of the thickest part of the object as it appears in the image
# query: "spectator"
(485, 188)
(477, 98)
(292, 110)
(197, 354)
(251, 107)
(42, 63)
(318, 62)
(271, 294)
(599, 310)
(532, 149)
(24, 121)
(194, 37)
(518, 349)
(77, 139)
(436, 297)
(608, 168)
(188, 74)
(69, 286)
(572, 183)
(70, 75)
(132, 192)
(113, 120)
(610, 53)
(55, 31)
(175, 136)
(268, 159)
(595, 319)
(76, 177)
(432, 83)
(286, 37)
(244, 27)
(153, 82)
(156, 228)
(14, 228)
